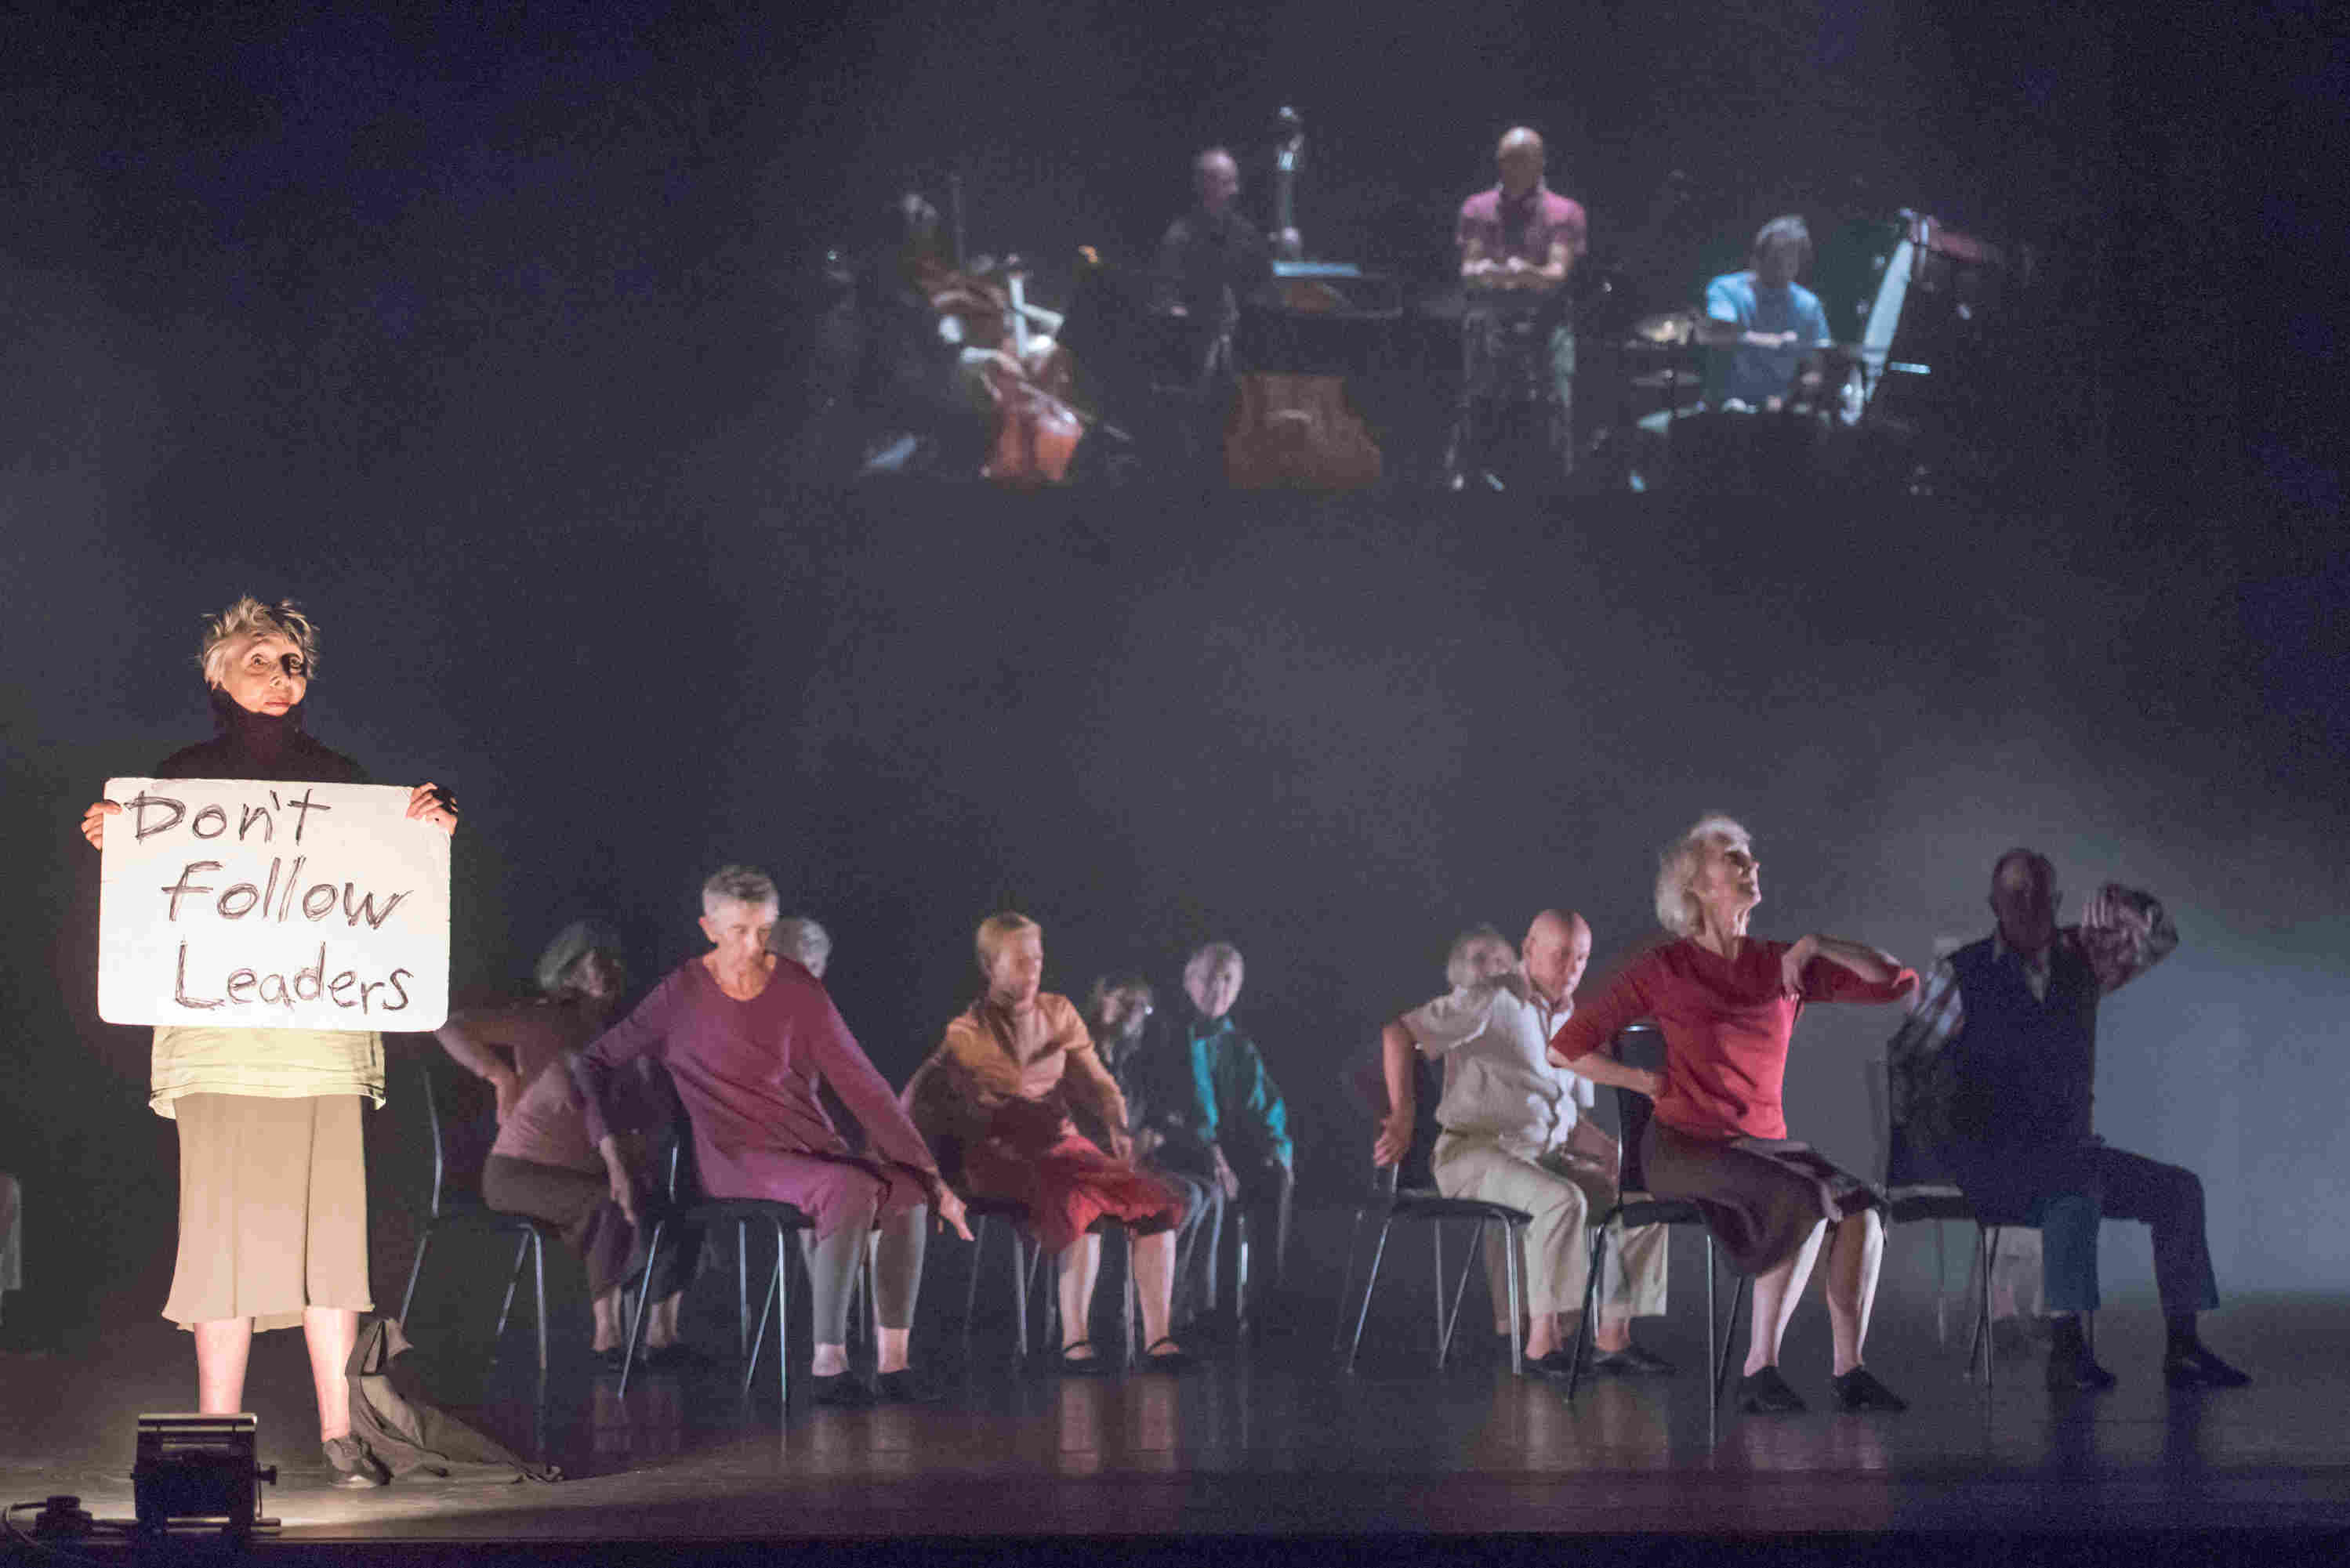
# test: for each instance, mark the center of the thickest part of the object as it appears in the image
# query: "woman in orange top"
(996, 1096)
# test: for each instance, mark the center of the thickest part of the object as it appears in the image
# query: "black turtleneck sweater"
(258, 746)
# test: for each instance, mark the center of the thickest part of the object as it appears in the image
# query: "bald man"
(1519, 241)
(1992, 1073)
(1514, 1132)
(1211, 258)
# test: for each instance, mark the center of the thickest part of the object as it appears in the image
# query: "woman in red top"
(1727, 1004)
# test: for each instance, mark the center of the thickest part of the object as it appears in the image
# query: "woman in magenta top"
(1727, 1003)
(746, 1037)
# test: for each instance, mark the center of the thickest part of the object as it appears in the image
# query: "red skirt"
(1065, 1181)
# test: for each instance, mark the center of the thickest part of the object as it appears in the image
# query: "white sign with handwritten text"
(261, 905)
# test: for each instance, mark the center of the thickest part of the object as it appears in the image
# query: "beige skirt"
(273, 1210)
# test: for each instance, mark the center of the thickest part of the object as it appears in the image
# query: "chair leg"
(415, 1270)
(1584, 1332)
(1461, 1291)
(514, 1278)
(742, 1289)
(758, 1337)
(784, 1324)
(1020, 1277)
(1738, 1298)
(1941, 1287)
(970, 1286)
(1511, 1266)
(1370, 1284)
(1131, 1301)
(1982, 1311)
(538, 1280)
(1239, 1271)
(1346, 1280)
(1436, 1250)
(636, 1325)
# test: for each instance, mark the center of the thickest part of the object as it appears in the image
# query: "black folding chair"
(685, 1207)
(460, 1145)
(1915, 1192)
(987, 1215)
(1635, 1206)
(1418, 1200)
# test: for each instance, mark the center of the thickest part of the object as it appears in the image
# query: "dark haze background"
(485, 336)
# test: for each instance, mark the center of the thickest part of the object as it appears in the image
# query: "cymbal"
(1670, 326)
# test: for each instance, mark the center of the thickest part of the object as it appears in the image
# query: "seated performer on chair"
(1727, 1005)
(1232, 1109)
(543, 1164)
(1154, 1076)
(997, 1096)
(1764, 323)
(746, 1037)
(1992, 1073)
(1518, 244)
(1516, 1132)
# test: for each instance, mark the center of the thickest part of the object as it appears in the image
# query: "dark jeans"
(2067, 1193)
(1266, 1187)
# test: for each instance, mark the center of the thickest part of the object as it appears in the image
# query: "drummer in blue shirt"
(1765, 322)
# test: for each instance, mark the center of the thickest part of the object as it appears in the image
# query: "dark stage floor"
(1270, 1441)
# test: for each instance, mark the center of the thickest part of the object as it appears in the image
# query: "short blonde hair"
(1677, 863)
(994, 931)
(250, 618)
(1460, 964)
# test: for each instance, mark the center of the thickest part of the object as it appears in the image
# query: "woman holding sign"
(273, 1175)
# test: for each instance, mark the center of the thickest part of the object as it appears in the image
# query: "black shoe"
(1092, 1366)
(2199, 1368)
(353, 1464)
(1632, 1361)
(1766, 1393)
(1553, 1364)
(1858, 1390)
(610, 1360)
(1176, 1359)
(842, 1390)
(902, 1387)
(2077, 1372)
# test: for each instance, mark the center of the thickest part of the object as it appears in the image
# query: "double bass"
(1287, 428)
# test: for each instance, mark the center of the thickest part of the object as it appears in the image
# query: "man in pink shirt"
(1518, 243)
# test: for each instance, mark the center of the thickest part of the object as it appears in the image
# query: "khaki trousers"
(1562, 1198)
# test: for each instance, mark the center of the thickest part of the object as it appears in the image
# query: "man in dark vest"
(1992, 1074)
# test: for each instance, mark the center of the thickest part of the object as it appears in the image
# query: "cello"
(1287, 428)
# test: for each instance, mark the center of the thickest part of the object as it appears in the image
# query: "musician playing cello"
(1519, 241)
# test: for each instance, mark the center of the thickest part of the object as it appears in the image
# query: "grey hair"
(1677, 906)
(250, 618)
(572, 944)
(738, 884)
(1459, 967)
(1207, 957)
(998, 929)
(802, 941)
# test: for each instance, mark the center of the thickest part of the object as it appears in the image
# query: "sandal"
(1177, 1360)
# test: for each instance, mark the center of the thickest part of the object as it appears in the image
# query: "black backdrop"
(484, 338)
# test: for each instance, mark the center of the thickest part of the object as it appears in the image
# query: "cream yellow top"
(267, 1063)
